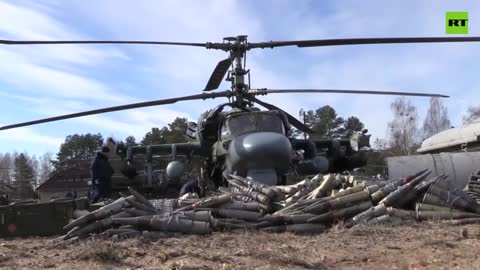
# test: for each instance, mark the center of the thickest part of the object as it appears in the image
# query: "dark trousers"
(102, 190)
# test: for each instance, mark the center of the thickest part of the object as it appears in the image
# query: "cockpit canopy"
(246, 122)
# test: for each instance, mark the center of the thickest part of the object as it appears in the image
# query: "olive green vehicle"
(243, 140)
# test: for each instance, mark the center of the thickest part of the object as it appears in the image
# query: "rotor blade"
(264, 91)
(268, 44)
(44, 42)
(218, 74)
(359, 41)
(208, 45)
(292, 120)
(121, 108)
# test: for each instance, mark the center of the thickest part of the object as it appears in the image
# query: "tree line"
(24, 172)
(325, 122)
(405, 135)
(22, 167)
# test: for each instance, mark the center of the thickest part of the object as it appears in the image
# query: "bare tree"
(403, 137)
(6, 168)
(35, 163)
(380, 144)
(473, 115)
(436, 119)
(45, 167)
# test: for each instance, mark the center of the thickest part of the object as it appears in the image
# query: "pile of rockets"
(311, 206)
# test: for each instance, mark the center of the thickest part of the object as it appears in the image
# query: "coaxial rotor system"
(234, 67)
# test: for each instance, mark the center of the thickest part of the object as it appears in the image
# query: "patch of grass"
(186, 265)
(340, 227)
(440, 242)
(291, 260)
(102, 252)
(278, 258)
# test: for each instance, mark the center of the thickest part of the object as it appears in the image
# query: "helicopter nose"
(261, 150)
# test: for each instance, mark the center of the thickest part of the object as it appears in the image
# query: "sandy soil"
(422, 246)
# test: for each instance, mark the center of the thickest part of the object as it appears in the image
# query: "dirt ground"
(422, 246)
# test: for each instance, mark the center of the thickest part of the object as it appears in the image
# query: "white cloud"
(46, 71)
(135, 122)
(27, 136)
(19, 22)
(187, 69)
(44, 81)
(410, 67)
(29, 23)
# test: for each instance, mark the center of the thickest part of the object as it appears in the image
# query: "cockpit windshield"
(241, 123)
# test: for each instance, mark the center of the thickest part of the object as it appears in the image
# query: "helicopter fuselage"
(251, 143)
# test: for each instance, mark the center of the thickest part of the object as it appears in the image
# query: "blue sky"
(43, 81)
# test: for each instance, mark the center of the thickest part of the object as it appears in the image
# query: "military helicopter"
(245, 140)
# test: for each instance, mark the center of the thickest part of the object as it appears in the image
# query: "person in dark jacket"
(101, 172)
(190, 187)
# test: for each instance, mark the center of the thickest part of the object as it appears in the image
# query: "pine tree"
(174, 133)
(78, 147)
(24, 176)
(352, 125)
(130, 141)
(325, 123)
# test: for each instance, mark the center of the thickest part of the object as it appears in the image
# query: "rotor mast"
(238, 50)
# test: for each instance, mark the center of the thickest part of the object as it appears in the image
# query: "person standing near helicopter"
(101, 172)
